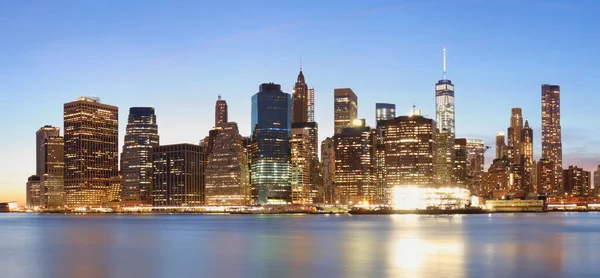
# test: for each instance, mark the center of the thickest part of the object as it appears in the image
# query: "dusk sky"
(178, 56)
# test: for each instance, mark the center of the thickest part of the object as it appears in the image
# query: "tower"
(551, 133)
(527, 157)
(500, 146)
(300, 99)
(50, 166)
(444, 103)
(514, 136)
(220, 112)
(345, 108)
(141, 136)
(91, 131)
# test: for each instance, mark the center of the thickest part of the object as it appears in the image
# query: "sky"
(178, 56)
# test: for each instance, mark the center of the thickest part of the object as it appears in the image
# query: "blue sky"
(177, 56)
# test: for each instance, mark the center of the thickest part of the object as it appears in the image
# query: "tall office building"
(353, 177)
(551, 133)
(527, 157)
(576, 181)
(460, 162)
(475, 163)
(384, 111)
(345, 108)
(383, 192)
(328, 162)
(546, 178)
(50, 166)
(410, 151)
(141, 136)
(271, 133)
(227, 174)
(220, 112)
(177, 178)
(91, 150)
(300, 100)
(300, 162)
(444, 110)
(33, 192)
(514, 136)
(501, 148)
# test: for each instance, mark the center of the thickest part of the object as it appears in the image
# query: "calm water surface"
(500, 245)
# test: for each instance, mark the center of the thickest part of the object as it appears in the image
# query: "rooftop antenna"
(414, 109)
(300, 62)
(219, 97)
(444, 63)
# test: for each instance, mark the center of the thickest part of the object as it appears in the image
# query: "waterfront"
(117, 245)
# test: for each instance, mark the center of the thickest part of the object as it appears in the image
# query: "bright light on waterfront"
(407, 198)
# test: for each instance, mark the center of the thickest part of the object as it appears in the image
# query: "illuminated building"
(501, 148)
(551, 133)
(514, 136)
(421, 198)
(328, 162)
(141, 136)
(384, 111)
(345, 108)
(300, 100)
(353, 178)
(496, 181)
(91, 135)
(271, 133)
(460, 162)
(220, 112)
(576, 181)
(597, 178)
(444, 111)
(475, 163)
(115, 186)
(383, 192)
(177, 178)
(50, 166)
(227, 174)
(545, 176)
(410, 151)
(300, 162)
(33, 192)
(527, 157)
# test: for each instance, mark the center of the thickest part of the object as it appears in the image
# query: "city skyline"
(472, 84)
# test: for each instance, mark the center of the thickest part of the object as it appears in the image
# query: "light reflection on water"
(499, 245)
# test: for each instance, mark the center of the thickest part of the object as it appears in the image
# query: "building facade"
(91, 139)
(576, 181)
(220, 112)
(514, 136)
(141, 136)
(460, 162)
(271, 134)
(546, 179)
(527, 157)
(384, 111)
(551, 133)
(345, 108)
(328, 162)
(33, 192)
(501, 148)
(444, 103)
(300, 97)
(475, 163)
(227, 176)
(300, 163)
(50, 166)
(177, 178)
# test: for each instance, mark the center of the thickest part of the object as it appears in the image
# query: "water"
(499, 245)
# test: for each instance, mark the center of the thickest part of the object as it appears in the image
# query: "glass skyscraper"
(384, 111)
(271, 133)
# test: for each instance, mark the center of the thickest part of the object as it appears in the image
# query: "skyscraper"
(33, 192)
(551, 133)
(597, 178)
(514, 136)
(460, 162)
(177, 178)
(300, 171)
(527, 157)
(136, 161)
(227, 174)
(91, 150)
(501, 151)
(444, 103)
(577, 181)
(300, 100)
(328, 161)
(384, 111)
(50, 166)
(410, 151)
(546, 178)
(353, 177)
(271, 133)
(220, 112)
(475, 163)
(345, 108)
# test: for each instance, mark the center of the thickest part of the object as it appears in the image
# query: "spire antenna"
(300, 62)
(444, 63)
(219, 97)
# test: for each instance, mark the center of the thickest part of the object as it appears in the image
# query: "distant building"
(475, 163)
(328, 162)
(551, 133)
(271, 134)
(114, 190)
(33, 192)
(353, 177)
(545, 177)
(141, 136)
(460, 162)
(300, 176)
(91, 136)
(514, 136)
(501, 148)
(345, 108)
(300, 96)
(576, 181)
(597, 178)
(385, 111)
(220, 112)
(50, 166)
(410, 151)
(496, 182)
(177, 178)
(445, 119)
(527, 159)
(227, 173)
